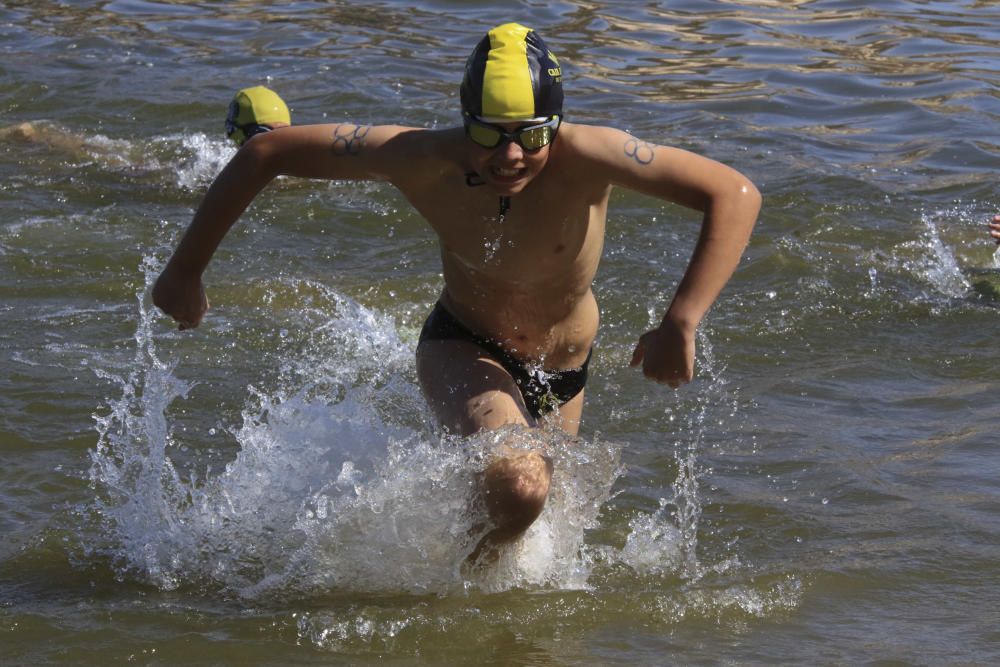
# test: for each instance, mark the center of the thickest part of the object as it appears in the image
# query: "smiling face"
(511, 81)
(508, 168)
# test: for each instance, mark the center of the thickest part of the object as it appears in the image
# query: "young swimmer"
(254, 111)
(251, 112)
(36, 133)
(510, 337)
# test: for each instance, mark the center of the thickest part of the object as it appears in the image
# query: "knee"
(515, 490)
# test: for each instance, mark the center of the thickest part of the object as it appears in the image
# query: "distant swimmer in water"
(254, 111)
(40, 133)
(518, 199)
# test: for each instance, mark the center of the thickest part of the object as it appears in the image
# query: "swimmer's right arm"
(334, 152)
(995, 229)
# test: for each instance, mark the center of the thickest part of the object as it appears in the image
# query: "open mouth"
(506, 174)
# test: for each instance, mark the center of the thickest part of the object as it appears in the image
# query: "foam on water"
(939, 266)
(335, 485)
(200, 157)
(340, 484)
(939, 271)
(189, 160)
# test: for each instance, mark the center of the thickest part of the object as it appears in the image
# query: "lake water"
(269, 488)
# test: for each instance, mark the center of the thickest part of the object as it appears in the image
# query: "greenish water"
(269, 490)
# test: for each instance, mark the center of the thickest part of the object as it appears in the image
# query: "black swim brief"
(542, 390)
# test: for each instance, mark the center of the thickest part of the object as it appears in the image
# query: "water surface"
(269, 490)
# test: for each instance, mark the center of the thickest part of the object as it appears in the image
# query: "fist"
(182, 298)
(666, 355)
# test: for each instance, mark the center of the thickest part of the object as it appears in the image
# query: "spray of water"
(198, 158)
(665, 542)
(339, 483)
(334, 487)
(939, 266)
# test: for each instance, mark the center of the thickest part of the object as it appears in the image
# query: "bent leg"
(469, 392)
(568, 416)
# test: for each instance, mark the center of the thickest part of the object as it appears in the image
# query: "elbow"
(732, 209)
(739, 196)
(751, 195)
(743, 191)
(727, 190)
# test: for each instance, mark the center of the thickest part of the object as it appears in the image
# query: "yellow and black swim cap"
(512, 75)
(255, 110)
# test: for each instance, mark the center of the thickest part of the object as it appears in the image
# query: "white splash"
(339, 482)
(197, 158)
(938, 265)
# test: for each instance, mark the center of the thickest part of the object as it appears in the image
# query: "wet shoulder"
(422, 154)
(592, 144)
(586, 153)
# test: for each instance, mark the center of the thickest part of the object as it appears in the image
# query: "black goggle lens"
(241, 133)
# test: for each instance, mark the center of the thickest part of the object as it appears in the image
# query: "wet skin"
(523, 281)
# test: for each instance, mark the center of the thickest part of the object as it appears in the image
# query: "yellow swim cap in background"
(254, 110)
(511, 75)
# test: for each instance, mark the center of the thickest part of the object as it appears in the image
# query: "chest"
(529, 234)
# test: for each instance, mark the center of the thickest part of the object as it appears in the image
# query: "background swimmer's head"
(512, 76)
(255, 110)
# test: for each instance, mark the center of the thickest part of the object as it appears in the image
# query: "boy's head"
(511, 106)
(255, 110)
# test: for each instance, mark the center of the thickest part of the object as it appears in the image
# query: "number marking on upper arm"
(640, 151)
(349, 139)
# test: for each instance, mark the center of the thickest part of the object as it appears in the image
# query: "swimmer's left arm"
(730, 204)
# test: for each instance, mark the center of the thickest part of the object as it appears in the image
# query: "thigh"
(569, 415)
(467, 389)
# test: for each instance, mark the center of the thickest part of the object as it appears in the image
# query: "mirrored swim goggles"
(529, 137)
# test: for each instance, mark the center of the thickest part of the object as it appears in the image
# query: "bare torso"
(523, 279)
